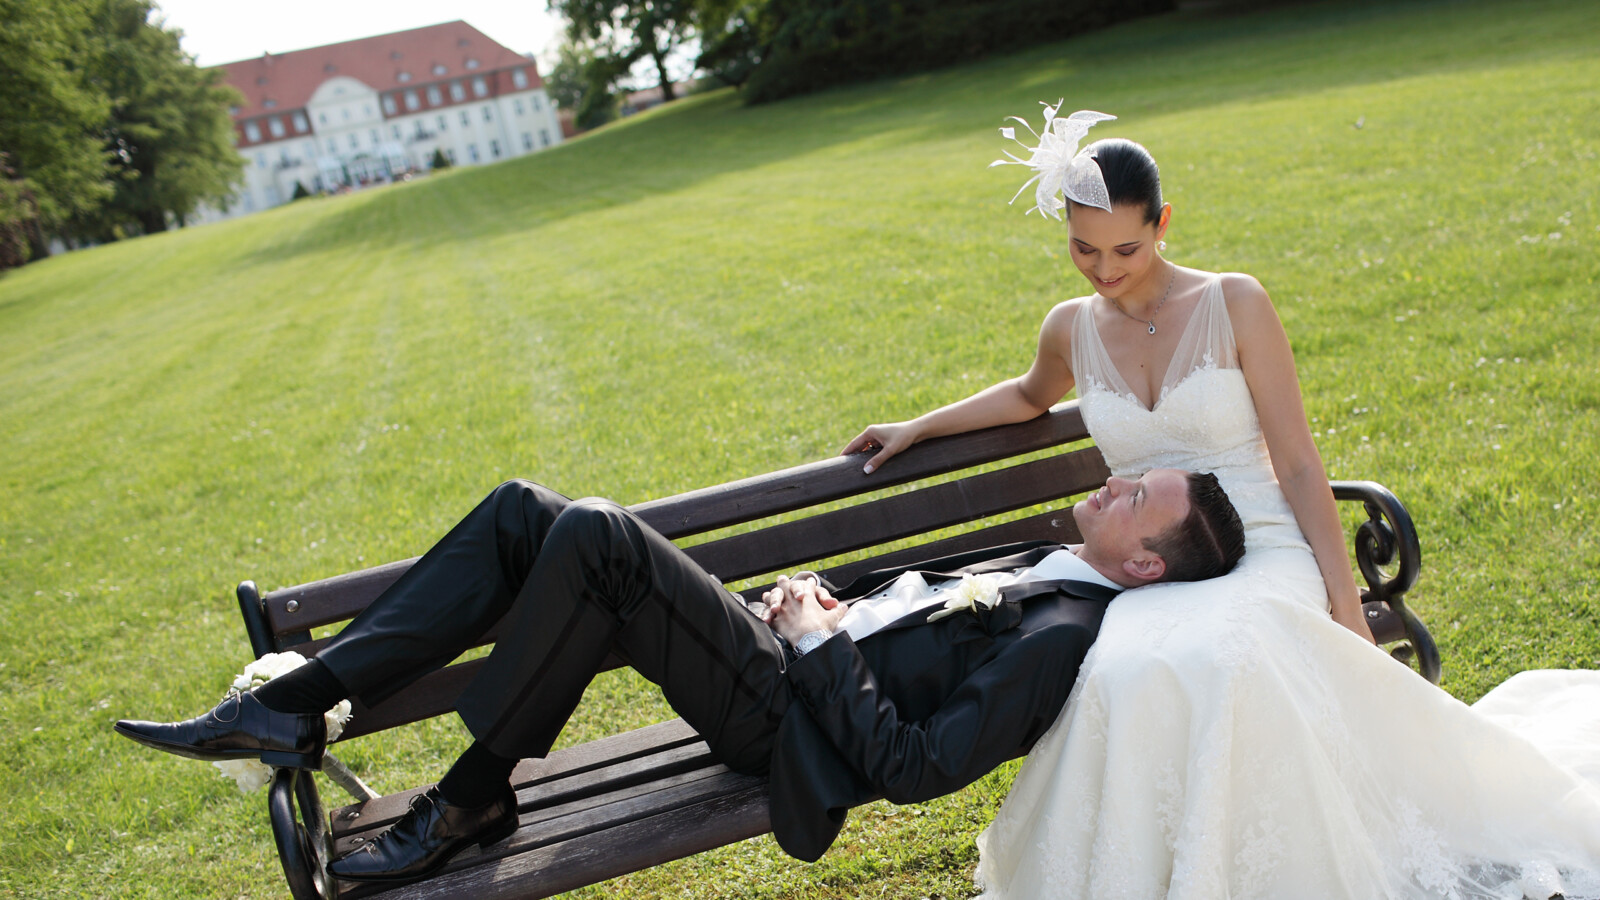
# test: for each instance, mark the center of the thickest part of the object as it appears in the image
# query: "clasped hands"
(798, 606)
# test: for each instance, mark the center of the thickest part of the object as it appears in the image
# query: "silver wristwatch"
(811, 640)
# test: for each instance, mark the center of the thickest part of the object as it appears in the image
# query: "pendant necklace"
(1152, 320)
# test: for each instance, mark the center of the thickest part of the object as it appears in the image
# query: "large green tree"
(622, 32)
(55, 164)
(168, 132)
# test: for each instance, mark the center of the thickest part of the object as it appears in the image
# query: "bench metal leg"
(300, 828)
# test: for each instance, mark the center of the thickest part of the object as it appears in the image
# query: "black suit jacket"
(918, 709)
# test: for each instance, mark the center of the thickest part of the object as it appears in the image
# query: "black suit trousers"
(570, 582)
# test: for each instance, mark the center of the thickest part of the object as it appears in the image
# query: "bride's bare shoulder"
(1243, 293)
(1056, 332)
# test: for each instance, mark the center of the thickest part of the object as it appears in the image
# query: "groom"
(838, 699)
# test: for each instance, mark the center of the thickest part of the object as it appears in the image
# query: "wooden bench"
(634, 800)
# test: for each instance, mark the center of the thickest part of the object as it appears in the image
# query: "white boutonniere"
(973, 592)
(251, 774)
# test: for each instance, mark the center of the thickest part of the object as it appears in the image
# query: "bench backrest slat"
(788, 544)
(336, 599)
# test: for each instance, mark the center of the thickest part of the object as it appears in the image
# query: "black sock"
(477, 777)
(312, 688)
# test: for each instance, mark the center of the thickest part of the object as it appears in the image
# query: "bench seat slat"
(738, 810)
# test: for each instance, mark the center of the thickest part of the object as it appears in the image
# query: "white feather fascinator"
(1058, 167)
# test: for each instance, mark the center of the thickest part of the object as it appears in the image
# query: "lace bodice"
(1204, 418)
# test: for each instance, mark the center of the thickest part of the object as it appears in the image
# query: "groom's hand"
(799, 606)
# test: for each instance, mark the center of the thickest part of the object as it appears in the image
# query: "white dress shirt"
(911, 592)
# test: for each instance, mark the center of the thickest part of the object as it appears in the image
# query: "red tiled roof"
(289, 79)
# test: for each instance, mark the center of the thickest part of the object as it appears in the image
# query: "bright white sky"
(217, 32)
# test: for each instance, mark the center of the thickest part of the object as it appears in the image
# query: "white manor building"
(367, 111)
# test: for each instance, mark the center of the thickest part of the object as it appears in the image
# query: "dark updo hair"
(1132, 178)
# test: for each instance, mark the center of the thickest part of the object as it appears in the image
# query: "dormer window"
(457, 92)
(519, 78)
(235, 110)
(480, 88)
(269, 104)
(472, 64)
(261, 80)
(411, 100)
(388, 104)
(403, 77)
(252, 132)
(330, 68)
(300, 123)
(275, 125)
(439, 68)
(394, 54)
(433, 95)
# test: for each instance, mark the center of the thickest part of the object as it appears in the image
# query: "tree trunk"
(661, 69)
(153, 220)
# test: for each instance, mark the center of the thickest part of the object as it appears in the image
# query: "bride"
(1231, 738)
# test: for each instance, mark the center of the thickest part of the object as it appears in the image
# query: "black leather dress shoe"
(238, 728)
(432, 832)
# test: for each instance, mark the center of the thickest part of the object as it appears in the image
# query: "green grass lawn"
(709, 292)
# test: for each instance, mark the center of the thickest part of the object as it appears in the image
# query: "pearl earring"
(1162, 246)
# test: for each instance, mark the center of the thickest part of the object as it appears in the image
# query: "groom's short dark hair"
(1208, 542)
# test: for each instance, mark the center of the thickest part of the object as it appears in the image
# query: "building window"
(368, 108)
(322, 118)
(375, 138)
(300, 123)
(275, 125)
(472, 152)
(488, 116)
(480, 88)
(494, 149)
(457, 92)
(438, 68)
(544, 137)
(235, 110)
(252, 132)
(355, 142)
(450, 154)
(433, 95)
(444, 124)
(397, 130)
(519, 78)
(527, 141)
(536, 106)
(472, 64)
(261, 160)
(465, 119)
(403, 77)
(283, 158)
(422, 131)
(518, 104)
(333, 146)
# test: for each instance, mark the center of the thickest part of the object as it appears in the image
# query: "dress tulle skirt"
(1223, 742)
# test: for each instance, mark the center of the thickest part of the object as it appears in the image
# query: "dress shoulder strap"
(1207, 340)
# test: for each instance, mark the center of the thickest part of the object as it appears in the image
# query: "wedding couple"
(1205, 735)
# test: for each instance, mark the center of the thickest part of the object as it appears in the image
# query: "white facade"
(351, 133)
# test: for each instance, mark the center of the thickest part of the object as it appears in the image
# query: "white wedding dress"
(1227, 739)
